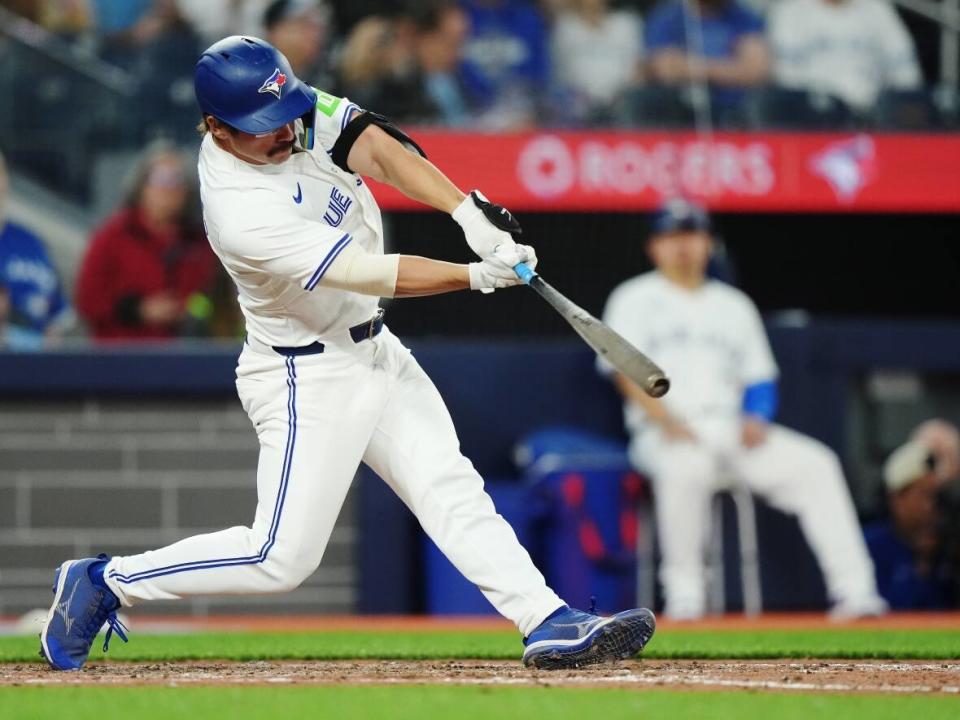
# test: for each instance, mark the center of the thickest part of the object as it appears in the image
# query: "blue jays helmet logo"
(274, 84)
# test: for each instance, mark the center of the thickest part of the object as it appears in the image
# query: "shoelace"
(108, 616)
(115, 625)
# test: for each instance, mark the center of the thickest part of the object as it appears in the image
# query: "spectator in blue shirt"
(32, 306)
(117, 16)
(906, 549)
(720, 43)
(506, 60)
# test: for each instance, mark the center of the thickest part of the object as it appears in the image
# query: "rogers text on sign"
(549, 166)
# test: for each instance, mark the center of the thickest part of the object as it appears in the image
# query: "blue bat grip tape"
(524, 273)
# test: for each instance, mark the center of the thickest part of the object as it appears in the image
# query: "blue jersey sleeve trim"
(327, 262)
(761, 400)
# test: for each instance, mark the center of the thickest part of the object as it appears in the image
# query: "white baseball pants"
(792, 472)
(317, 417)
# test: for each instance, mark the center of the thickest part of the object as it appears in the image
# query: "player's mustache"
(283, 147)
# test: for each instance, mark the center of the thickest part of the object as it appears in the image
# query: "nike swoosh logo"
(298, 198)
(63, 609)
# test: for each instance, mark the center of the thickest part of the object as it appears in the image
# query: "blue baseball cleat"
(80, 608)
(572, 638)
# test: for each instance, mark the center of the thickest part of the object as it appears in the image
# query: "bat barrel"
(657, 386)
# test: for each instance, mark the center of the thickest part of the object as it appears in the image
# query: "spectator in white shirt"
(216, 19)
(851, 49)
(596, 52)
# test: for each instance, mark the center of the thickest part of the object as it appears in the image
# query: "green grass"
(469, 702)
(462, 703)
(827, 643)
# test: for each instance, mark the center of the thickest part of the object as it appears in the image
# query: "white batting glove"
(497, 270)
(485, 225)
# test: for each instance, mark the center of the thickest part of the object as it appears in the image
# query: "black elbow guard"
(341, 148)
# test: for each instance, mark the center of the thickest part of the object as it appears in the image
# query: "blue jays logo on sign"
(339, 204)
(274, 84)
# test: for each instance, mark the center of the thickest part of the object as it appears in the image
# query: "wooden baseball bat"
(607, 343)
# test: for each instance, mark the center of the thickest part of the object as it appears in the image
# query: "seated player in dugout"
(324, 381)
(716, 424)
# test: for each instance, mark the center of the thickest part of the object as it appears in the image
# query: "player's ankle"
(95, 573)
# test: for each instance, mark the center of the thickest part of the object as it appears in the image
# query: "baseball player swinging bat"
(288, 211)
(607, 343)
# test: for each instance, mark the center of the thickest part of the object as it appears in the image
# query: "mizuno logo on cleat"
(63, 609)
(582, 627)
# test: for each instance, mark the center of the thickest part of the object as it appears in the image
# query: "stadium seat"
(657, 106)
(749, 555)
(917, 110)
(788, 108)
(54, 125)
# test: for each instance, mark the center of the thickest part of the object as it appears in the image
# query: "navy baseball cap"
(680, 214)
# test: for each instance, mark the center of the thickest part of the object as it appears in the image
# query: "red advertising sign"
(625, 171)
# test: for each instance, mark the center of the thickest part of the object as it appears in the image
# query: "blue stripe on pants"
(277, 508)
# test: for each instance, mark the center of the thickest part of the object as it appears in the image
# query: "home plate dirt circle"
(921, 677)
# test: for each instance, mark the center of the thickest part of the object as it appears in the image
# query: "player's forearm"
(410, 276)
(419, 276)
(421, 180)
(379, 156)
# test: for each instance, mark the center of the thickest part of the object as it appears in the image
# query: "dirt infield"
(773, 676)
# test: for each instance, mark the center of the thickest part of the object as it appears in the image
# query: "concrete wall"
(82, 477)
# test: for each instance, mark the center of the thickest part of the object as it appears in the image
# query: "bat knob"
(658, 386)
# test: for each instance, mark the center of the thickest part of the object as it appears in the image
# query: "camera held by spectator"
(915, 552)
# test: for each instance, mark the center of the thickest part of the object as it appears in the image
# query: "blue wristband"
(761, 399)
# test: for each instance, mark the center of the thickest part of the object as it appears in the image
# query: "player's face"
(683, 253)
(271, 148)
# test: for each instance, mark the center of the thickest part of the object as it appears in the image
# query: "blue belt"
(369, 329)
(358, 333)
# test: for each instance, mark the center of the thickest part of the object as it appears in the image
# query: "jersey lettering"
(337, 209)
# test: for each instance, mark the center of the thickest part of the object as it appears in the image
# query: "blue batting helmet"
(680, 214)
(248, 84)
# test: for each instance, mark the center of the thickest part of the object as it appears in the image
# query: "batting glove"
(497, 270)
(485, 225)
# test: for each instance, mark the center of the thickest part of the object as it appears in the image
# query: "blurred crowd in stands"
(147, 273)
(510, 64)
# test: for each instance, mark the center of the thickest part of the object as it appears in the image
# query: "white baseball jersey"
(851, 49)
(278, 229)
(710, 342)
